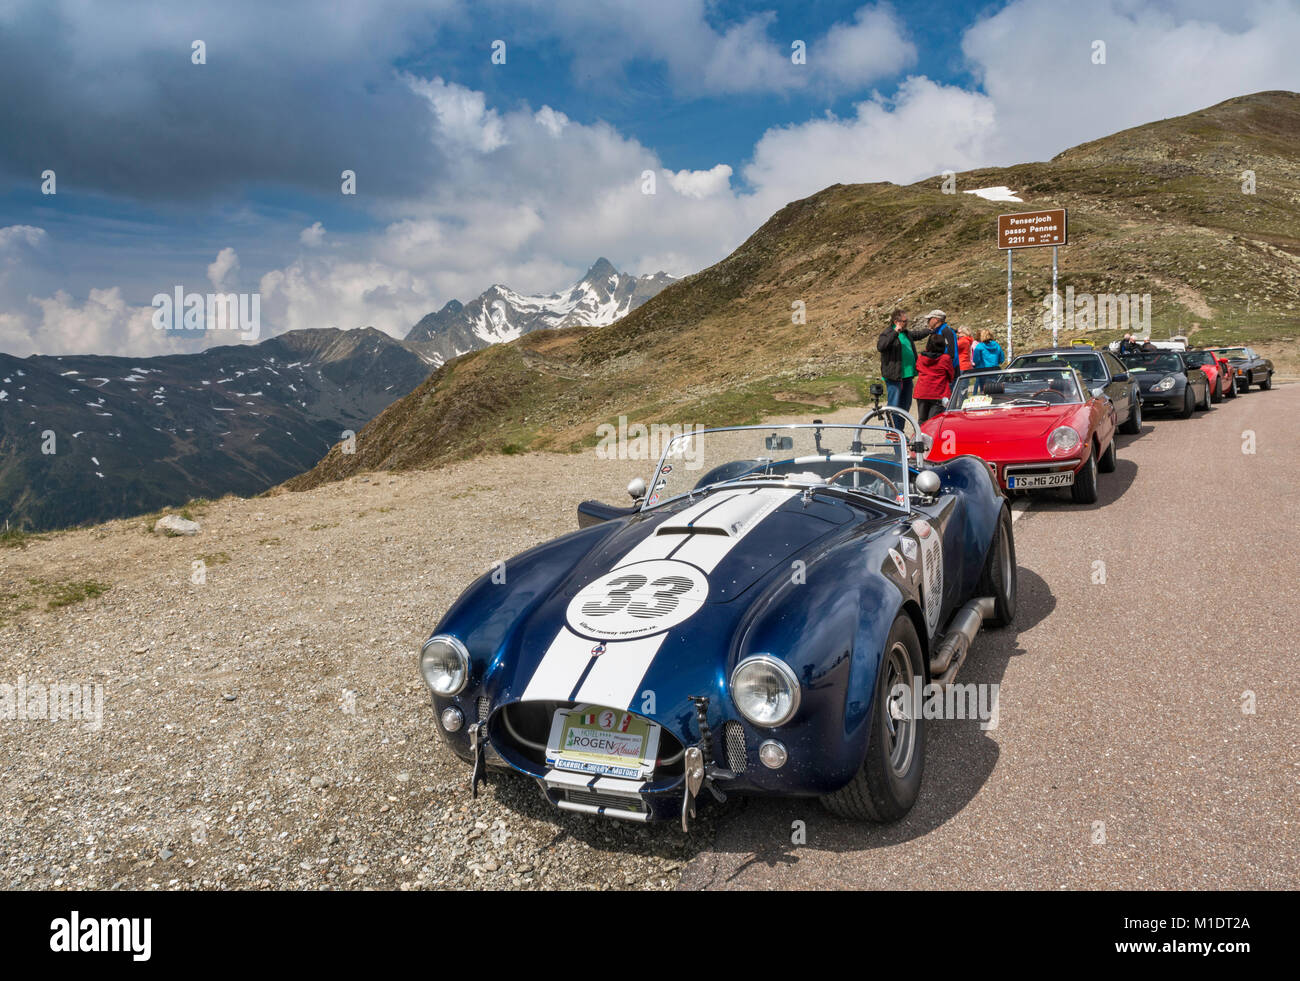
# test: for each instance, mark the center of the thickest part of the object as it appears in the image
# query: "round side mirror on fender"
(636, 488)
(927, 483)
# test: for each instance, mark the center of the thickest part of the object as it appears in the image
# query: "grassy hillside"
(1158, 209)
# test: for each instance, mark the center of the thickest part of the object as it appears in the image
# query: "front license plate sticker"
(1031, 480)
(602, 741)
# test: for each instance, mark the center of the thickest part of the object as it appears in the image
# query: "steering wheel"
(1048, 391)
(875, 473)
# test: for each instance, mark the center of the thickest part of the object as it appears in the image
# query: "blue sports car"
(755, 623)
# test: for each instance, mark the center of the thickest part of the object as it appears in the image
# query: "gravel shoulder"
(266, 728)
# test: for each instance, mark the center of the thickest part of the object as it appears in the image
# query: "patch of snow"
(999, 193)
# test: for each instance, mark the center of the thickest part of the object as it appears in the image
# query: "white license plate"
(1028, 481)
(599, 740)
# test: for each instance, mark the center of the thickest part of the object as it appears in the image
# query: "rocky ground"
(266, 728)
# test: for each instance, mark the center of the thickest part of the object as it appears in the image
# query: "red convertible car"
(1222, 380)
(1036, 428)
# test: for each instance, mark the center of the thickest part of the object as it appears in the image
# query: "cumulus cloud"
(700, 183)
(103, 323)
(312, 235)
(222, 270)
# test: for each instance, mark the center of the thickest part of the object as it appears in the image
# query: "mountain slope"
(500, 314)
(130, 435)
(1157, 209)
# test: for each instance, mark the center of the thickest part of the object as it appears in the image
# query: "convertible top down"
(751, 625)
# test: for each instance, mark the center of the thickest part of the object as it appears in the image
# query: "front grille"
(736, 755)
(484, 708)
(608, 801)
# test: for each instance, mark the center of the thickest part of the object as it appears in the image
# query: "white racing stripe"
(613, 678)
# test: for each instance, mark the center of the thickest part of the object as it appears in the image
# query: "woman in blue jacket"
(988, 352)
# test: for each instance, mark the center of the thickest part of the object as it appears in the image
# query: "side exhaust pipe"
(951, 651)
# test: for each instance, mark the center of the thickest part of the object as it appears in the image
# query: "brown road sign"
(1032, 229)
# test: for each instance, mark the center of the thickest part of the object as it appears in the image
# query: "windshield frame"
(1093, 353)
(903, 443)
(1085, 391)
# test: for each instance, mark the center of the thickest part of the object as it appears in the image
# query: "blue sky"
(227, 174)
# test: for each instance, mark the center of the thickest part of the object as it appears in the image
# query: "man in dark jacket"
(898, 358)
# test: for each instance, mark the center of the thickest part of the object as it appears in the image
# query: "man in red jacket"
(934, 376)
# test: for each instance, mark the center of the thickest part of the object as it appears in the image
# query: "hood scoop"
(731, 517)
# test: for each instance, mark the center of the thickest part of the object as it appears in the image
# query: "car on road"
(1218, 372)
(1249, 367)
(1037, 428)
(1102, 371)
(1168, 380)
(754, 623)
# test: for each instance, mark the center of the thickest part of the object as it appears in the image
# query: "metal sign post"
(1056, 320)
(1008, 305)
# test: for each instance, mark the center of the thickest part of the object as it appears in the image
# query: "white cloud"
(872, 47)
(700, 183)
(103, 323)
(222, 270)
(463, 119)
(312, 235)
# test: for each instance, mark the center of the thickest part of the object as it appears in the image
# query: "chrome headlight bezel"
(1064, 445)
(784, 672)
(440, 644)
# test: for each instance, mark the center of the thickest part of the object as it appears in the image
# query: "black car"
(1249, 367)
(1103, 372)
(1169, 381)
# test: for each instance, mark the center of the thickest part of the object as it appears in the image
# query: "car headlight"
(1063, 441)
(444, 665)
(1165, 383)
(765, 690)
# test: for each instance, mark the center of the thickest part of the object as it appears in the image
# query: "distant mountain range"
(500, 314)
(132, 435)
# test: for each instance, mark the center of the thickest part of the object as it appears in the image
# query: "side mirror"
(636, 488)
(927, 483)
(780, 442)
(1122, 376)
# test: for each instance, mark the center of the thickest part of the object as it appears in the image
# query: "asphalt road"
(1122, 756)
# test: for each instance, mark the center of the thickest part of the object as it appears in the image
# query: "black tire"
(1206, 403)
(1217, 394)
(1133, 424)
(1189, 403)
(999, 577)
(1084, 490)
(1231, 393)
(889, 780)
(1107, 462)
(1267, 383)
(1243, 384)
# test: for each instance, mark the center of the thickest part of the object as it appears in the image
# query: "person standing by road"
(897, 348)
(937, 321)
(964, 344)
(988, 352)
(934, 376)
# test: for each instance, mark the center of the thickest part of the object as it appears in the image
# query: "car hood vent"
(733, 516)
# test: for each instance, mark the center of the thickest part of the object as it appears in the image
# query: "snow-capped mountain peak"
(500, 314)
